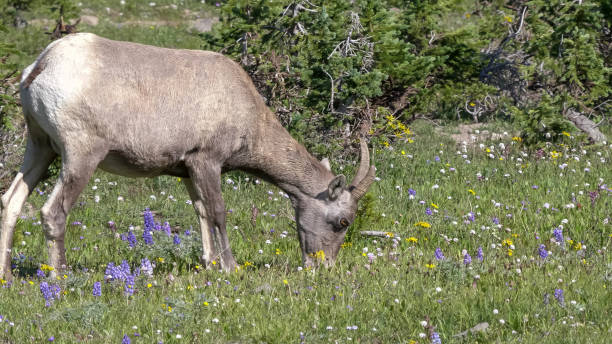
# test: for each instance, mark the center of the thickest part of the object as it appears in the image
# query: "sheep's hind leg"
(38, 157)
(75, 173)
(209, 253)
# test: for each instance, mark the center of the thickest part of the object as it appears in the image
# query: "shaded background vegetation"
(335, 70)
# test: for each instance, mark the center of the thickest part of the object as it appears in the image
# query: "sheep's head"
(322, 221)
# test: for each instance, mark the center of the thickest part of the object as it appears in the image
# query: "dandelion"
(422, 224)
(97, 289)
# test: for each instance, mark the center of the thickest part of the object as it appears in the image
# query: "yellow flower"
(346, 244)
(386, 143)
(247, 263)
(214, 262)
(278, 251)
(403, 153)
(410, 140)
(178, 179)
(205, 303)
(517, 139)
(320, 255)
(45, 267)
(472, 191)
(430, 266)
(189, 287)
(149, 285)
(285, 282)
(2, 282)
(434, 205)
(472, 104)
(160, 259)
(488, 150)
(508, 19)
(197, 267)
(566, 133)
(555, 154)
(31, 283)
(389, 234)
(422, 224)
(412, 239)
(169, 309)
(467, 16)
(510, 251)
(507, 242)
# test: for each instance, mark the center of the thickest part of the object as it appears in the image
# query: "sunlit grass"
(380, 290)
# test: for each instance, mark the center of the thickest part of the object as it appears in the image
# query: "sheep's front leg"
(75, 173)
(206, 183)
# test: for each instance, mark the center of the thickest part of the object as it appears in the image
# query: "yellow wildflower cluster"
(399, 129)
(555, 154)
(45, 267)
(517, 139)
(565, 133)
(422, 224)
(507, 242)
(576, 245)
(412, 239)
(320, 255)
(430, 266)
(346, 244)
(278, 251)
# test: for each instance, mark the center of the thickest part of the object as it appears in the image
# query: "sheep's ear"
(325, 163)
(336, 187)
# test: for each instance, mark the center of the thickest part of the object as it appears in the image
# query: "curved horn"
(365, 174)
(364, 164)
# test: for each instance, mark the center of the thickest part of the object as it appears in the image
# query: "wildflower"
(131, 239)
(45, 267)
(479, 254)
(412, 239)
(176, 239)
(97, 289)
(558, 233)
(167, 229)
(555, 154)
(146, 268)
(559, 296)
(147, 236)
(435, 338)
(149, 222)
(438, 254)
(472, 192)
(128, 288)
(422, 224)
(467, 259)
(40, 273)
(430, 265)
(542, 251)
(126, 339)
(428, 211)
(46, 292)
(565, 133)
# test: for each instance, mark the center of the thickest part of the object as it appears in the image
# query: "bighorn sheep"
(143, 111)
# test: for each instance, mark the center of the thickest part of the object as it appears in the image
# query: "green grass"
(273, 300)
(393, 293)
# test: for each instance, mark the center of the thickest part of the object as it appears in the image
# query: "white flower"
(495, 311)
(422, 335)
(423, 323)
(502, 321)
(215, 320)
(178, 336)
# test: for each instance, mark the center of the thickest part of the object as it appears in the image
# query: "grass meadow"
(486, 241)
(485, 232)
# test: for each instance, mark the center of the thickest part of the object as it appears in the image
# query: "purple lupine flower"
(56, 290)
(558, 233)
(146, 268)
(131, 239)
(46, 292)
(97, 289)
(479, 254)
(428, 211)
(147, 236)
(411, 192)
(438, 254)
(40, 273)
(495, 220)
(166, 228)
(559, 296)
(112, 225)
(542, 251)
(149, 221)
(467, 259)
(51, 339)
(471, 216)
(435, 338)
(188, 231)
(128, 288)
(176, 239)
(126, 339)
